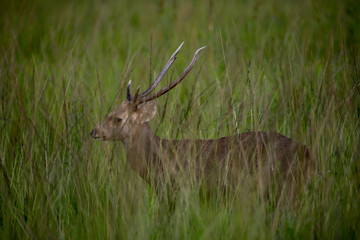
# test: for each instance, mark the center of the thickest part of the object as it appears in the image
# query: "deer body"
(217, 162)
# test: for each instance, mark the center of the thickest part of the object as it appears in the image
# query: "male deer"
(217, 162)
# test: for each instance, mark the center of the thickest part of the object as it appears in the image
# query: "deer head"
(136, 110)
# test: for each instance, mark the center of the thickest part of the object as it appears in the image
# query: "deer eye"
(118, 120)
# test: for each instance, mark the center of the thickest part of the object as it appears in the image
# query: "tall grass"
(286, 66)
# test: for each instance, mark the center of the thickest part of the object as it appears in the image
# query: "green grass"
(286, 66)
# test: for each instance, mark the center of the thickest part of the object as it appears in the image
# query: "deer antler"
(176, 82)
(143, 97)
(158, 79)
(162, 73)
(128, 92)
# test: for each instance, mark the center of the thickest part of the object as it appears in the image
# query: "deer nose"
(93, 133)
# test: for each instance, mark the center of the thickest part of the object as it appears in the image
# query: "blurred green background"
(285, 66)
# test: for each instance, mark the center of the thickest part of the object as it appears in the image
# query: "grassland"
(286, 66)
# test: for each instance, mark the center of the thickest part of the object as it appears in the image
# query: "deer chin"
(103, 139)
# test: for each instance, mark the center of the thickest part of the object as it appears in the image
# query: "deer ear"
(147, 111)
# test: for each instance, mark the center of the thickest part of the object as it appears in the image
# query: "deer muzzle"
(94, 134)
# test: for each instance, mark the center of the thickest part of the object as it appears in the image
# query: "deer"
(213, 162)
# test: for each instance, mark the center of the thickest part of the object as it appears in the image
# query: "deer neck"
(143, 140)
(141, 148)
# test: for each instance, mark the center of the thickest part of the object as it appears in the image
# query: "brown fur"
(268, 156)
(217, 163)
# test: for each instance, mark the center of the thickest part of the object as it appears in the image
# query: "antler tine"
(177, 81)
(128, 92)
(136, 95)
(162, 73)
